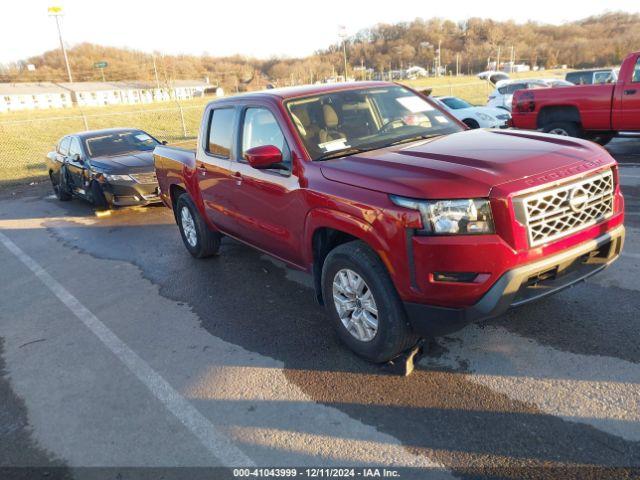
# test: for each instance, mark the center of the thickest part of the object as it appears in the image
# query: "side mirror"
(265, 157)
(164, 142)
(77, 158)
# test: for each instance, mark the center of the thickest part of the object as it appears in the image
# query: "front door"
(267, 203)
(76, 167)
(630, 101)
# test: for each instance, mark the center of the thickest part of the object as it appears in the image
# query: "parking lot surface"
(119, 349)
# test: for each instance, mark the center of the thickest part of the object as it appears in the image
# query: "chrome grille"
(553, 214)
(146, 178)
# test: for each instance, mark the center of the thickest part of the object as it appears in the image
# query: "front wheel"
(199, 240)
(363, 303)
(97, 195)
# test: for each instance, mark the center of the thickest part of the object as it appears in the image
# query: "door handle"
(202, 169)
(631, 91)
(238, 178)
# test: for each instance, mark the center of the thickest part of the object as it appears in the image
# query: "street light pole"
(56, 12)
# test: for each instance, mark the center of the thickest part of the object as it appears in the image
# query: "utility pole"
(155, 72)
(439, 57)
(498, 60)
(342, 33)
(457, 64)
(56, 12)
(513, 59)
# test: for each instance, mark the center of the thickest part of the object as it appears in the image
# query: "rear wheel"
(565, 129)
(602, 139)
(60, 190)
(363, 303)
(199, 240)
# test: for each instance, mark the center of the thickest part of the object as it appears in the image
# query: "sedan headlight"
(118, 178)
(485, 117)
(451, 217)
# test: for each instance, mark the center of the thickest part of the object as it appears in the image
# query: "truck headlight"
(118, 178)
(451, 217)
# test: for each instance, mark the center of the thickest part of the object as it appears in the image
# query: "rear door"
(213, 165)
(629, 98)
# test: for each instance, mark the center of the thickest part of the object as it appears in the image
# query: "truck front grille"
(145, 178)
(561, 211)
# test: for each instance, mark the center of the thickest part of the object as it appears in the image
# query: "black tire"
(602, 139)
(393, 335)
(569, 129)
(206, 243)
(60, 191)
(98, 198)
(471, 123)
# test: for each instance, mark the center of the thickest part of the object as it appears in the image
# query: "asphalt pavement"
(120, 350)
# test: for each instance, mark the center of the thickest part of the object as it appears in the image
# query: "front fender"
(347, 223)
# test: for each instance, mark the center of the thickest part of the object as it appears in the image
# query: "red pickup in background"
(596, 112)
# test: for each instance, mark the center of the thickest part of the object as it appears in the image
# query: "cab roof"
(284, 93)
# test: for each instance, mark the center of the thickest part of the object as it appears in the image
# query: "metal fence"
(26, 137)
(24, 143)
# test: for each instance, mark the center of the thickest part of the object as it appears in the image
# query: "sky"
(261, 29)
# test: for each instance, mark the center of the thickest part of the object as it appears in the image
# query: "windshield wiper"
(342, 153)
(416, 138)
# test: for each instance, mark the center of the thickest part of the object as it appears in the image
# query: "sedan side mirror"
(164, 142)
(77, 158)
(265, 157)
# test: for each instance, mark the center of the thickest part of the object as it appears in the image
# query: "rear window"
(580, 78)
(509, 89)
(221, 132)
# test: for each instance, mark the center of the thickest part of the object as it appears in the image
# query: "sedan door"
(76, 167)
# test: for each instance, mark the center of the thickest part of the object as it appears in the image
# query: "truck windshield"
(119, 143)
(365, 119)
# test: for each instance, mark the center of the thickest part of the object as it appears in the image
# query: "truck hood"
(461, 165)
(122, 164)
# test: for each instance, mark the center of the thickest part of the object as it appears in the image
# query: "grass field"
(27, 136)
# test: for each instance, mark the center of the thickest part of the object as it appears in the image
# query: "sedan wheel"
(188, 226)
(355, 305)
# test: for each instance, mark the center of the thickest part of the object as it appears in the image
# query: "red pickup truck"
(409, 224)
(597, 112)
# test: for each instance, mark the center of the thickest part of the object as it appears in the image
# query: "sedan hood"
(121, 164)
(462, 165)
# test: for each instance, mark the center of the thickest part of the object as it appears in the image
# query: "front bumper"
(522, 285)
(129, 194)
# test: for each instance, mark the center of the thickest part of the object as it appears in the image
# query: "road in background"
(239, 339)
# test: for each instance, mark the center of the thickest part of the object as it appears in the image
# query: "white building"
(25, 96)
(28, 96)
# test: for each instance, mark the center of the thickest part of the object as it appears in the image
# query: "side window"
(74, 148)
(221, 132)
(636, 72)
(260, 128)
(63, 146)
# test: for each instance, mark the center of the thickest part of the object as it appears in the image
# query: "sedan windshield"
(119, 143)
(351, 121)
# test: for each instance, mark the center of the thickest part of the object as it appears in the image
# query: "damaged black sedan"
(111, 168)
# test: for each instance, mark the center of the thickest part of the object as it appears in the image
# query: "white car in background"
(472, 116)
(503, 94)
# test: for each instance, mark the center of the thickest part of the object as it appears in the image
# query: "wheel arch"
(325, 229)
(558, 113)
